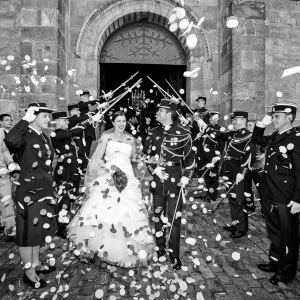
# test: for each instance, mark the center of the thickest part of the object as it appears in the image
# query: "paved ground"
(212, 268)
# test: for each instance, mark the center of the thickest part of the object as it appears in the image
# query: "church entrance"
(140, 105)
(151, 50)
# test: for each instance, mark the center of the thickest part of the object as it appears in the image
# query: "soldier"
(86, 106)
(168, 147)
(212, 148)
(281, 190)
(238, 159)
(66, 173)
(201, 111)
(74, 119)
(34, 198)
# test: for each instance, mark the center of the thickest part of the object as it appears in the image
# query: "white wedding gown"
(112, 224)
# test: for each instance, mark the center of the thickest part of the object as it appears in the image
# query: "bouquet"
(120, 179)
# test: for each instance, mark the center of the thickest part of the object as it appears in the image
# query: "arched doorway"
(112, 15)
(153, 52)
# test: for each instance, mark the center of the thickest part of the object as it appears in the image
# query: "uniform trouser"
(237, 207)
(88, 145)
(211, 179)
(168, 205)
(7, 216)
(254, 175)
(283, 230)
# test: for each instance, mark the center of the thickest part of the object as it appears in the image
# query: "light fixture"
(232, 22)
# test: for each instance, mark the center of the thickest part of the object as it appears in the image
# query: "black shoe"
(229, 228)
(277, 279)
(176, 263)
(36, 285)
(47, 270)
(161, 253)
(237, 235)
(267, 268)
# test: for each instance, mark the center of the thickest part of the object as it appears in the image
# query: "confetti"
(236, 256)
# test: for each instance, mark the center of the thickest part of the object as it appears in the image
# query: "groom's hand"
(160, 172)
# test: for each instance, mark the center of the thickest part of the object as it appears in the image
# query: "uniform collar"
(39, 133)
(284, 131)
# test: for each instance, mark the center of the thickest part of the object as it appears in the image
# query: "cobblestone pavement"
(215, 267)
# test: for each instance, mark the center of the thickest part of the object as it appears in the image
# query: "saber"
(161, 89)
(181, 190)
(218, 205)
(182, 101)
(122, 84)
(116, 100)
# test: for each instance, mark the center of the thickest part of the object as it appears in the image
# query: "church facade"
(52, 49)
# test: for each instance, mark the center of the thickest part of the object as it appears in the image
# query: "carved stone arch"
(114, 14)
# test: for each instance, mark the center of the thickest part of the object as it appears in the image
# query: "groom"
(170, 160)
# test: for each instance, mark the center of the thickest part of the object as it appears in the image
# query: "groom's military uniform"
(170, 148)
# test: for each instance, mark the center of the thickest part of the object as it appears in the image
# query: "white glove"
(267, 120)
(202, 125)
(30, 116)
(102, 105)
(239, 177)
(160, 172)
(184, 181)
(96, 118)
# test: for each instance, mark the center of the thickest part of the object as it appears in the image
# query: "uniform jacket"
(34, 154)
(240, 152)
(66, 151)
(171, 149)
(84, 109)
(281, 176)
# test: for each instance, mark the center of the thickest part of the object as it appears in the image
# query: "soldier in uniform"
(66, 173)
(170, 161)
(212, 148)
(281, 190)
(238, 159)
(86, 106)
(34, 198)
(76, 118)
(201, 111)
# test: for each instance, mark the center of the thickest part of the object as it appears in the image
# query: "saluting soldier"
(239, 158)
(35, 201)
(170, 161)
(281, 190)
(201, 111)
(211, 148)
(66, 174)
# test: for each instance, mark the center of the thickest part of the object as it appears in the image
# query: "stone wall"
(36, 29)
(254, 55)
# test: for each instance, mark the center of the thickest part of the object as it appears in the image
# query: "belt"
(68, 154)
(231, 158)
(170, 163)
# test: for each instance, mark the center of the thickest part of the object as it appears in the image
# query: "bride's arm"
(133, 144)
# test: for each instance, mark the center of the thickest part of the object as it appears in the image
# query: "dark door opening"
(112, 75)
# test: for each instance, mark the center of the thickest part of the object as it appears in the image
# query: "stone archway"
(112, 15)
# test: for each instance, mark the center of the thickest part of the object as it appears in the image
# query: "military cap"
(214, 113)
(201, 98)
(41, 106)
(59, 115)
(239, 114)
(72, 106)
(284, 107)
(169, 104)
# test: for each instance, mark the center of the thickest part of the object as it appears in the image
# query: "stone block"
(250, 27)
(7, 23)
(38, 51)
(248, 43)
(39, 4)
(4, 6)
(28, 17)
(26, 49)
(250, 10)
(39, 34)
(8, 106)
(50, 86)
(50, 51)
(247, 59)
(49, 17)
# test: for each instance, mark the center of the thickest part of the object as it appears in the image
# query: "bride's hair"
(117, 114)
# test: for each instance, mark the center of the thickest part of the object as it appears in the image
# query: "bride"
(113, 222)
